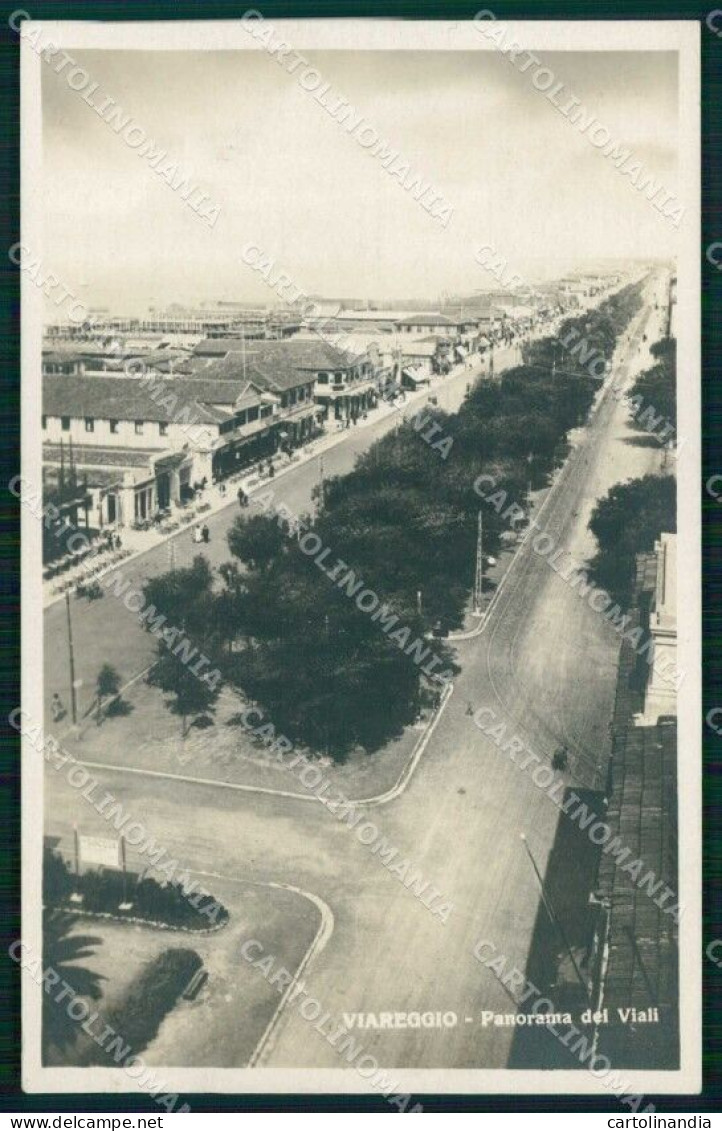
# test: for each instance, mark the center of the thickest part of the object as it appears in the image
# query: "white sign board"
(99, 850)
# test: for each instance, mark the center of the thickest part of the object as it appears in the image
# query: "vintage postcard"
(360, 558)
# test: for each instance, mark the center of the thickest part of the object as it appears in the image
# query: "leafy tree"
(256, 541)
(404, 521)
(628, 521)
(656, 389)
(190, 695)
(62, 953)
(107, 686)
(186, 597)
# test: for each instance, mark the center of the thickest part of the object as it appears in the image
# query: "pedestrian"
(242, 497)
(197, 536)
(469, 708)
(118, 542)
(206, 533)
(57, 708)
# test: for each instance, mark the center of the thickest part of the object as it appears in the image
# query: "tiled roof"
(641, 937)
(279, 365)
(303, 353)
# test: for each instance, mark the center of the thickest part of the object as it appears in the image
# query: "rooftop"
(426, 319)
(128, 398)
(641, 938)
(278, 365)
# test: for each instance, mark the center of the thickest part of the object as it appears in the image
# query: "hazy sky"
(290, 179)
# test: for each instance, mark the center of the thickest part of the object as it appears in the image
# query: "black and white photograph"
(361, 428)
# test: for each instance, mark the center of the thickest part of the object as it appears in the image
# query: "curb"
(377, 799)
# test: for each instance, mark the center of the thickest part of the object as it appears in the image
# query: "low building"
(422, 358)
(304, 371)
(463, 330)
(270, 368)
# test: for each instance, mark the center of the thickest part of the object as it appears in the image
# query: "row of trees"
(656, 387)
(405, 520)
(628, 521)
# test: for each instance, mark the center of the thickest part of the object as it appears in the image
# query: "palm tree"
(61, 951)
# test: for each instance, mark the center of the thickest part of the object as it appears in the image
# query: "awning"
(172, 461)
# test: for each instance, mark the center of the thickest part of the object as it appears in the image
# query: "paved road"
(545, 662)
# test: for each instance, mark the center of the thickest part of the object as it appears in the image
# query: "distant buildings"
(125, 390)
(146, 428)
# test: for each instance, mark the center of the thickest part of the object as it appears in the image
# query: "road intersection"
(545, 662)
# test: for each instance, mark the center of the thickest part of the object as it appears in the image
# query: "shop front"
(237, 453)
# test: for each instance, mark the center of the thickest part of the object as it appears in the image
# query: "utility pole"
(553, 918)
(124, 906)
(479, 574)
(71, 655)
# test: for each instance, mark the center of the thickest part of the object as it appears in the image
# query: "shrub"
(103, 891)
